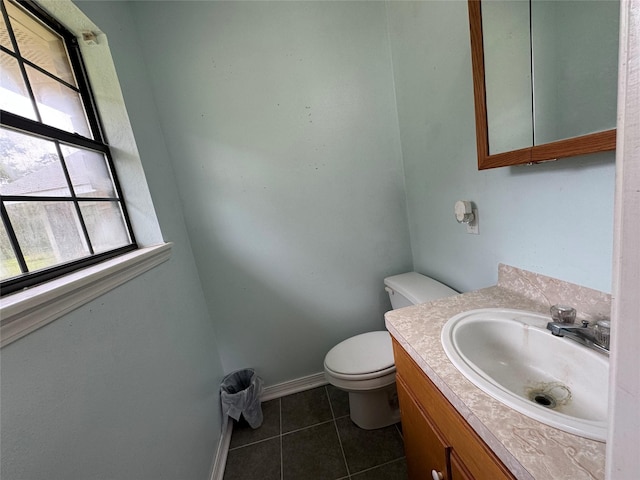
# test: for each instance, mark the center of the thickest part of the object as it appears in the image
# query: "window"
(61, 205)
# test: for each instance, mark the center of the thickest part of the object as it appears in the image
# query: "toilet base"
(370, 410)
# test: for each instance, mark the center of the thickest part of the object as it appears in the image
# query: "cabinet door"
(472, 453)
(458, 470)
(425, 450)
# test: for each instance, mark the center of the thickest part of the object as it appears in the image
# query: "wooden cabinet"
(458, 470)
(423, 443)
(438, 441)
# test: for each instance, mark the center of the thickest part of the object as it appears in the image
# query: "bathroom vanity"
(439, 443)
(452, 429)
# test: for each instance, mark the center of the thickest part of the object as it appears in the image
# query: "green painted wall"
(280, 119)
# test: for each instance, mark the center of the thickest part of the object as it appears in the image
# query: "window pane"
(8, 264)
(5, 40)
(30, 166)
(49, 233)
(59, 193)
(89, 173)
(59, 105)
(14, 97)
(40, 44)
(105, 224)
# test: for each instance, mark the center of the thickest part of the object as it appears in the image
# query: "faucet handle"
(563, 314)
(603, 333)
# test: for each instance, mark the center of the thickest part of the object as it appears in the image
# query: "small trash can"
(240, 394)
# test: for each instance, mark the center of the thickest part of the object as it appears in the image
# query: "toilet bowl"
(363, 365)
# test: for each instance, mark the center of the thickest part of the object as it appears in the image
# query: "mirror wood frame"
(591, 143)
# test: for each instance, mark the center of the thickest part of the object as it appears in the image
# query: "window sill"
(26, 311)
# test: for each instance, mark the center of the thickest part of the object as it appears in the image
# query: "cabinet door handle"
(437, 475)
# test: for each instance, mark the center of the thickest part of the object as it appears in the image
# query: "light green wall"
(281, 122)
(555, 219)
(127, 386)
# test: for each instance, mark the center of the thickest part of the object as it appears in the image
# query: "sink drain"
(549, 395)
(544, 399)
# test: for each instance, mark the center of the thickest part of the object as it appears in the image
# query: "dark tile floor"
(309, 436)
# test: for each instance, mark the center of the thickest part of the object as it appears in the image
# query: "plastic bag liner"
(240, 394)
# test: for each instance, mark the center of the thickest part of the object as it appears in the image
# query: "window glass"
(14, 96)
(8, 262)
(49, 233)
(5, 40)
(39, 44)
(105, 225)
(89, 173)
(30, 166)
(59, 105)
(61, 206)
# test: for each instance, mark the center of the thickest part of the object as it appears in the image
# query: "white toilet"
(363, 365)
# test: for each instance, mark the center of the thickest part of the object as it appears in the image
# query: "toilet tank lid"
(418, 288)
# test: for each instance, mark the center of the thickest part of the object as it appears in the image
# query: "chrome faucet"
(596, 338)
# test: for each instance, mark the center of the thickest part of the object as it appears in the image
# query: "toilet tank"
(413, 288)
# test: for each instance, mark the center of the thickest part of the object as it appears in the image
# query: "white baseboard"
(220, 462)
(293, 386)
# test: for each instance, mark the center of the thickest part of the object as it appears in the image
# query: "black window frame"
(98, 143)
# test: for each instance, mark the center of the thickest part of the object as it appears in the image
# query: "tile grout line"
(335, 425)
(253, 443)
(307, 427)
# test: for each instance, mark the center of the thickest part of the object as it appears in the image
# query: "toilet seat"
(363, 357)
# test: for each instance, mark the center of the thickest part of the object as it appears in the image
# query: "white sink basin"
(511, 356)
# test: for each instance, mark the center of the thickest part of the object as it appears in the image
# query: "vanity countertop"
(530, 449)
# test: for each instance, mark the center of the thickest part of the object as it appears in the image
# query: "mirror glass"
(550, 70)
(507, 59)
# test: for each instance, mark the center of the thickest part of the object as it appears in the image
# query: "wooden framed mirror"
(566, 147)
